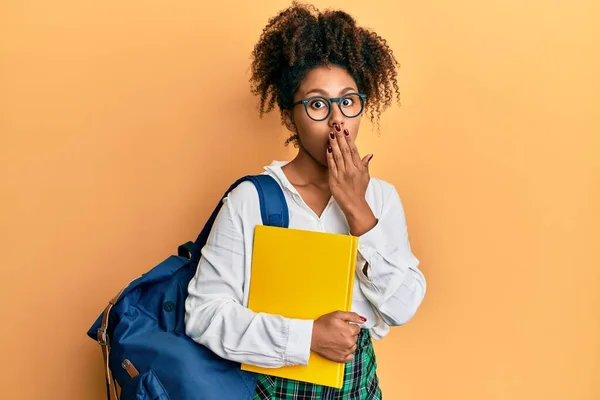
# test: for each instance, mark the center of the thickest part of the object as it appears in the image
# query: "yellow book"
(302, 274)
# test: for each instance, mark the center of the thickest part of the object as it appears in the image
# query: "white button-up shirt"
(216, 307)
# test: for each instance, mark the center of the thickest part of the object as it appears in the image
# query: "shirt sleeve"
(393, 284)
(215, 314)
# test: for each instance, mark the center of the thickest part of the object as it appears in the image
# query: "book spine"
(351, 272)
(349, 294)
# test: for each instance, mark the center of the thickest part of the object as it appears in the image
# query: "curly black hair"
(301, 38)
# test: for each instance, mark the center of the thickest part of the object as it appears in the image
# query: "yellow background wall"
(122, 122)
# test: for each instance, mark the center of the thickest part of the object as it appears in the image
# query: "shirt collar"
(274, 169)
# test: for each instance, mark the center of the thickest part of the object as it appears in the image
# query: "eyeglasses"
(318, 108)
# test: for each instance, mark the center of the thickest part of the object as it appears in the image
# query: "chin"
(320, 158)
(322, 161)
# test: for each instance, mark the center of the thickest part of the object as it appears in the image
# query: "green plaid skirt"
(360, 380)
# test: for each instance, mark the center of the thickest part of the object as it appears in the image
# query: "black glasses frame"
(331, 100)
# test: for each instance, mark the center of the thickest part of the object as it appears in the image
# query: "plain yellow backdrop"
(122, 122)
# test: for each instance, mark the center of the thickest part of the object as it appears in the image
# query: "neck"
(304, 169)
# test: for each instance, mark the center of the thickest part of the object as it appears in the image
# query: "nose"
(336, 118)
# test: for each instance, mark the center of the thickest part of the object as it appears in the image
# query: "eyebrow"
(324, 93)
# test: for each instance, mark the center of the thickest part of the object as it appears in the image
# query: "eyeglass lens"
(351, 105)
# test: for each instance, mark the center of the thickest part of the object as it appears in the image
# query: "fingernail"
(370, 158)
(329, 149)
(331, 135)
(346, 132)
(337, 127)
(363, 319)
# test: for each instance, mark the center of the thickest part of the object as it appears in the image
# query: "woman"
(323, 72)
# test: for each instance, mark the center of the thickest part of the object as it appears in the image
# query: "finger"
(351, 317)
(331, 162)
(353, 149)
(340, 137)
(366, 160)
(349, 358)
(336, 152)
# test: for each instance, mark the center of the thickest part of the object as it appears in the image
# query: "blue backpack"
(142, 330)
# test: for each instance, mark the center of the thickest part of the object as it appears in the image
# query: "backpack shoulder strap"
(273, 207)
(273, 210)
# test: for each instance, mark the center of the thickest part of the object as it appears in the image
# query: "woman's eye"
(318, 104)
(347, 102)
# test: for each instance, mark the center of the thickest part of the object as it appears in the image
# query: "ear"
(288, 120)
